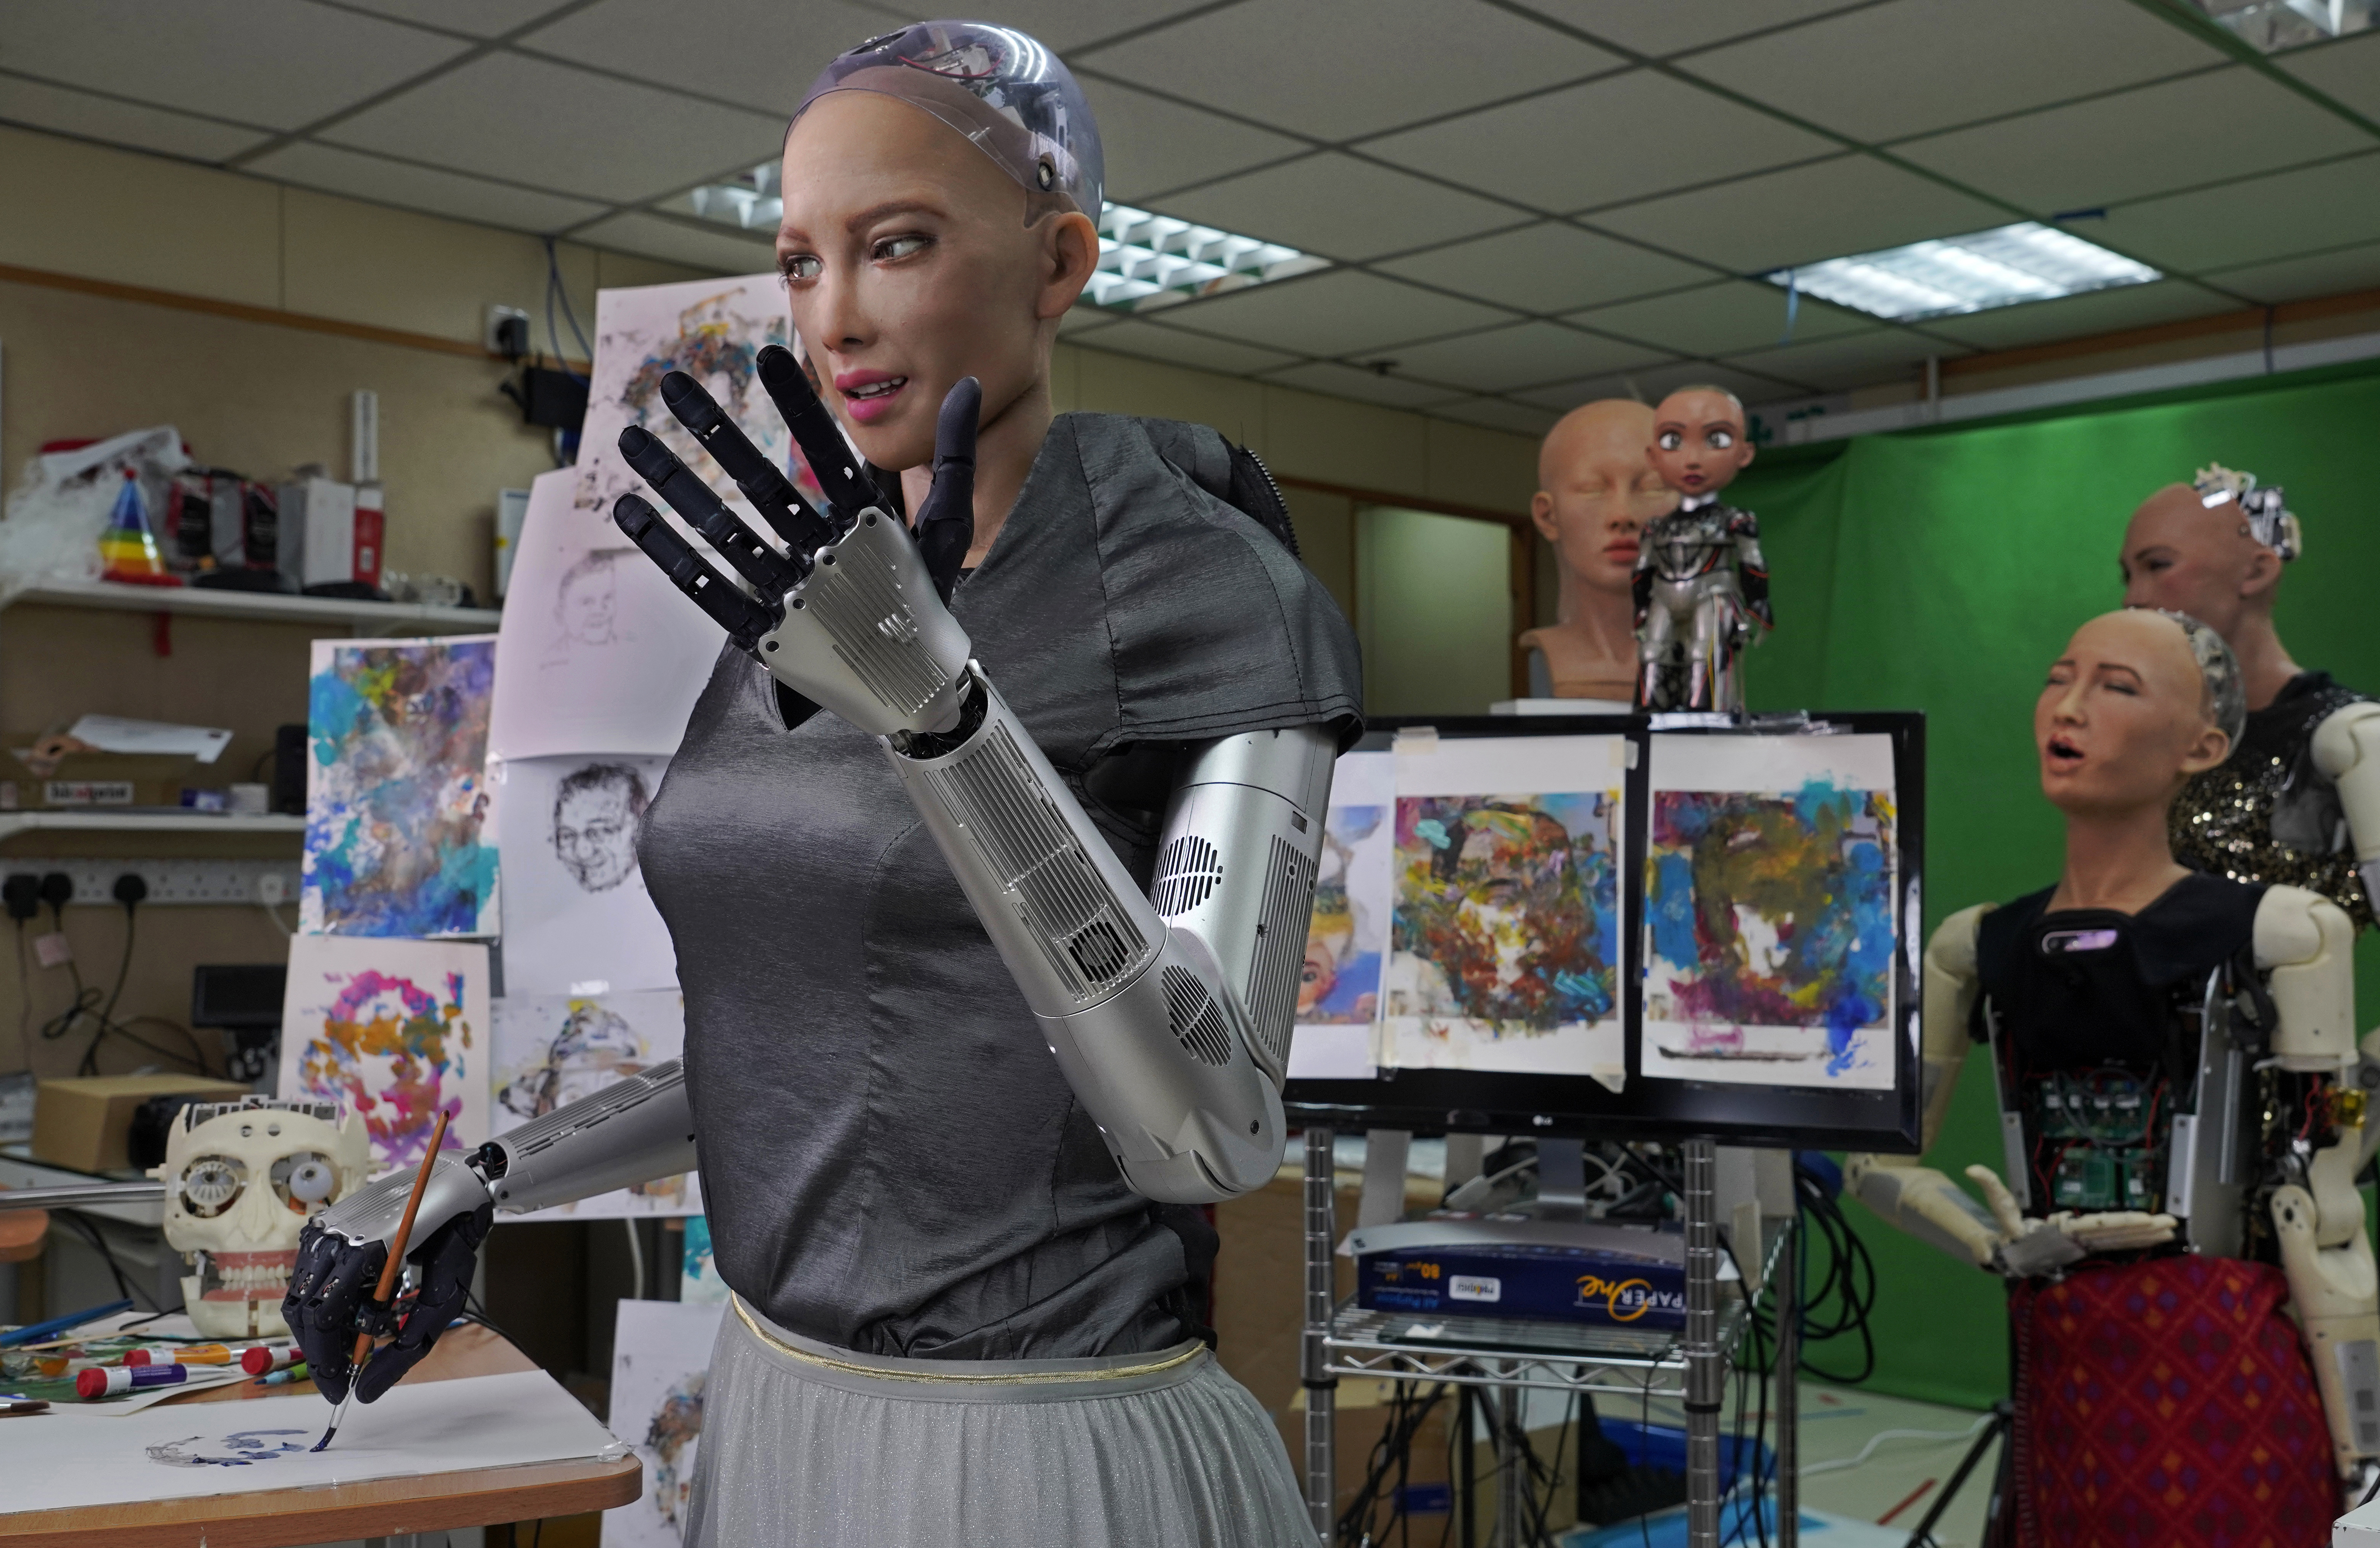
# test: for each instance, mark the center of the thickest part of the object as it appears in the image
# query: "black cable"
(87, 1002)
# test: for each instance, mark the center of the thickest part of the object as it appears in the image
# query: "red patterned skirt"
(2167, 1404)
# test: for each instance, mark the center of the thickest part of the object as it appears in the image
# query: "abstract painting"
(1504, 946)
(554, 1049)
(660, 1361)
(698, 1278)
(396, 1030)
(1770, 878)
(398, 840)
(1347, 942)
(577, 919)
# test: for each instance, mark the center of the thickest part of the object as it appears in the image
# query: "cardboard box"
(84, 1123)
(90, 779)
(330, 533)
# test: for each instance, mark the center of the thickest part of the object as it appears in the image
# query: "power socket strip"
(210, 882)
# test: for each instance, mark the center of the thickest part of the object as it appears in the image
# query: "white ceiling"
(1529, 202)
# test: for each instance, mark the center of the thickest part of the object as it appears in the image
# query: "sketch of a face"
(586, 600)
(598, 813)
(595, 1047)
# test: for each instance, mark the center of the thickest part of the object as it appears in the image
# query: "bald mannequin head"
(2128, 716)
(910, 262)
(1699, 443)
(1596, 491)
(2180, 553)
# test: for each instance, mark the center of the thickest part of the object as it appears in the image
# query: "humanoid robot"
(2298, 798)
(1700, 580)
(1595, 492)
(992, 907)
(2171, 1053)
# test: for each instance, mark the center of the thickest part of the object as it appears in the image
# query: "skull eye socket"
(211, 1183)
(305, 1178)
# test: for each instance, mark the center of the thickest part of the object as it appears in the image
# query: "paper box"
(330, 533)
(29, 782)
(84, 1123)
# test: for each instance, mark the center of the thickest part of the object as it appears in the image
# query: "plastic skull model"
(241, 1180)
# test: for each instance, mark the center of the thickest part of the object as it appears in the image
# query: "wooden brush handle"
(395, 1264)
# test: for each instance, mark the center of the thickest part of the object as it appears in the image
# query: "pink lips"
(864, 405)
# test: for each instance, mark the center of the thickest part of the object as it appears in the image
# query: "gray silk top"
(891, 1159)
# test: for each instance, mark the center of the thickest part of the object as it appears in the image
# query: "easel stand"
(1509, 1357)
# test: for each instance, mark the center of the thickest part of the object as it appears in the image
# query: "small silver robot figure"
(1700, 580)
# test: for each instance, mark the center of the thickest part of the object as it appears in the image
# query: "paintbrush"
(388, 1273)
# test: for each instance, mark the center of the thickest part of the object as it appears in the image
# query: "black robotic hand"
(851, 610)
(329, 1302)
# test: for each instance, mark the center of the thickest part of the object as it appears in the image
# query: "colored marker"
(95, 1383)
(282, 1378)
(193, 1354)
(259, 1359)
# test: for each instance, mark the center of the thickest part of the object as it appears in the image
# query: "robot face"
(241, 1180)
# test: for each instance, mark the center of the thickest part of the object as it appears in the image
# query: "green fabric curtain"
(1941, 572)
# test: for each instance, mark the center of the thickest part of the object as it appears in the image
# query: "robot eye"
(1721, 439)
(1670, 439)
(304, 1178)
(212, 1184)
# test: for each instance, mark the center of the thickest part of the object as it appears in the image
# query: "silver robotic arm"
(1168, 1017)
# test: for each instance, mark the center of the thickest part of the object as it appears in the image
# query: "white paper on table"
(554, 1049)
(115, 733)
(577, 919)
(396, 1029)
(1505, 950)
(205, 1449)
(1347, 940)
(1739, 990)
(600, 652)
(660, 1361)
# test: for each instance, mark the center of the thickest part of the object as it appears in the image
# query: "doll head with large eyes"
(1700, 441)
(2138, 702)
(940, 189)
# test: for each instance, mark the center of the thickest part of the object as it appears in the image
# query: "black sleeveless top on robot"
(2099, 1041)
(891, 1161)
(2267, 813)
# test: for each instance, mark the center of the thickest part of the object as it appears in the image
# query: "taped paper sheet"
(1347, 944)
(577, 919)
(555, 1049)
(1769, 919)
(1505, 946)
(660, 1361)
(395, 1030)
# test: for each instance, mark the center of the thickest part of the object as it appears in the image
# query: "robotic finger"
(848, 489)
(763, 483)
(946, 517)
(744, 619)
(770, 572)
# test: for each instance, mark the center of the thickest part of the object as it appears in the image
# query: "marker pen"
(259, 1359)
(193, 1354)
(95, 1383)
(296, 1372)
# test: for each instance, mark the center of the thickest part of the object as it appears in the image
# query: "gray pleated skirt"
(806, 1443)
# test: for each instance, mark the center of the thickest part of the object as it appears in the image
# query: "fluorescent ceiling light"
(2270, 26)
(1145, 260)
(1948, 276)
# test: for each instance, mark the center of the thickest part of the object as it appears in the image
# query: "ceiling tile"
(2101, 312)
(1340, 207)
(1883, 71)
(780, 46)
(1152, 144)
(1520, 356)
(1342, 312)
(1365, 386)
(1066, 25)
(1156, 342)
(1850, 204)
(2292, 279)
(2277, 215)
(1720, 319)
(1838, 364)
(656, 236)
(1496, 413)
(2149, 141)
(62, 110)
(1314, 67)
(533, 121)
(1663, 27)
(2347, 71)
(359, 176)
(282, 63)
(1652, 385)
(482, 19)
(1622, 137)
(1551, 266)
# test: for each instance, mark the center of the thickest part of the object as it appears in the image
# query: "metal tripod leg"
(1321, 1389)
(1706, 1367)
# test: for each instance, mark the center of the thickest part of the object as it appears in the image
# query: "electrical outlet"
(507, 332)
(219, 883)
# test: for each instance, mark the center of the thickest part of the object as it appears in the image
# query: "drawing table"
(389, 1510)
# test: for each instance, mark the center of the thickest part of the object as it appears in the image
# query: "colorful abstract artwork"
(551, 1050)
(1505, 947)
(398, 806)
(396, 1030)
(1769, 917)
(661, 1363)
(1347, 941)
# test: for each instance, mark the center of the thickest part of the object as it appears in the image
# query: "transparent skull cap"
(1000, 89)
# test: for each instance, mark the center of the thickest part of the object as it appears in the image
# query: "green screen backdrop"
(1942, 570)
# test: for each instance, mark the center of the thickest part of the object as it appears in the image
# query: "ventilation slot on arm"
(1187, 875)
(1197, 1024)
(1279, 959)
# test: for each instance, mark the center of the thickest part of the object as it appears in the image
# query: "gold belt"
(1018, 1378)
